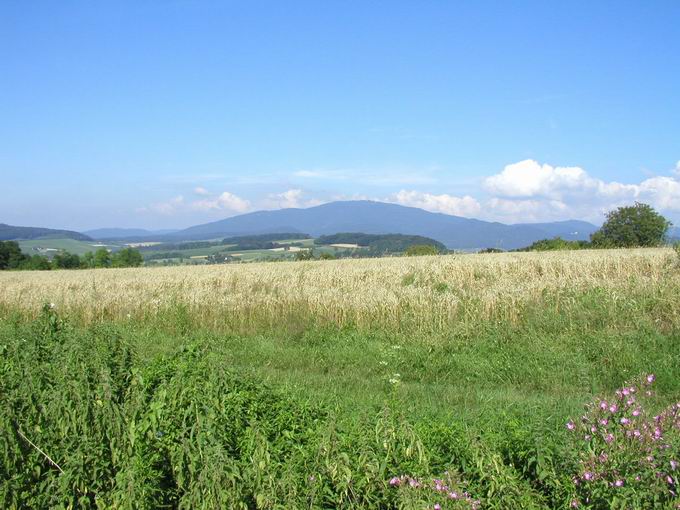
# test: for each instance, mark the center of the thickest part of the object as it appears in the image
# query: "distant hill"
(10, 232)
(125, 233)
(383, 218)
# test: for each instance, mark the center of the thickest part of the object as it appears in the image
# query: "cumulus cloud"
(529, 178)
(447, 204)
(223, 202)
(293, 198)
(528, 189)
(227, 202)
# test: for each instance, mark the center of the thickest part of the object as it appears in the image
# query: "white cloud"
(677, 168)
(447, 204)
(528, 178)
(293, 198)
(528, 189)
(224, 202)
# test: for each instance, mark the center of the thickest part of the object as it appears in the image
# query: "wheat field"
(405, 293)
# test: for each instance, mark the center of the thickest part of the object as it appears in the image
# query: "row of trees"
(11, 257)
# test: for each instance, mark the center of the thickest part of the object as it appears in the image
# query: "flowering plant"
(435, 494)
(625, 455)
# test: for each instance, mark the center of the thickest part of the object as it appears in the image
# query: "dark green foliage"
(304, 255)
(66, 260)
(637, 225)
(127, 257)
(36, 263)
(10, 255)
(380, 243)
(556, 244)
(491, 250)
(421, 249)
(102, 258)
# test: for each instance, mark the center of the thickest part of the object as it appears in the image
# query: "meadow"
(453, 381)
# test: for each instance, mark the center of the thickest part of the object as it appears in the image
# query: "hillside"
(125, 233)
(11, 232)
(383, 218)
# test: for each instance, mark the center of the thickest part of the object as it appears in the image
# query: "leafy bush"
(637, 225)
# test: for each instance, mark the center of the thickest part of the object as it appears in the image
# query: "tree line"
(11, 257)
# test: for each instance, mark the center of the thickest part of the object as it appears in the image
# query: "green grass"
(166, 412)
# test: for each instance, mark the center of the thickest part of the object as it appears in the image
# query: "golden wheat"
(422, 292)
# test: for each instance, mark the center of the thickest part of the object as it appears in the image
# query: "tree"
(127, 257)
(636, 225)
(102, 258)
(88, 260)
(304, 255)
(36, 263)
(66, 260)
(421, 249)
(10, 255)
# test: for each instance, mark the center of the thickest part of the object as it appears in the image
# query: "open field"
(426, 294)
(49, 246)
(313, 384)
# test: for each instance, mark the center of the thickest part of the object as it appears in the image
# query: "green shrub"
(421, 249)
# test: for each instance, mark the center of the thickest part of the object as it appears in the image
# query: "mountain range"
(345, 216)
(382, 218)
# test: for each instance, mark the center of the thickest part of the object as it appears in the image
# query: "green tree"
(87, 260)
(10, 255)
(66, 260)
(421, 249)
(304, 255)
(636, 225)
(127, 257)
(36, 263)
(102, 258)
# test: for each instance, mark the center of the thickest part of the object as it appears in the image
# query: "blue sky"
(170, 113)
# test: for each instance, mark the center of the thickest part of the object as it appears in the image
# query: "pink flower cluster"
(620, 445)
(437, 487)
